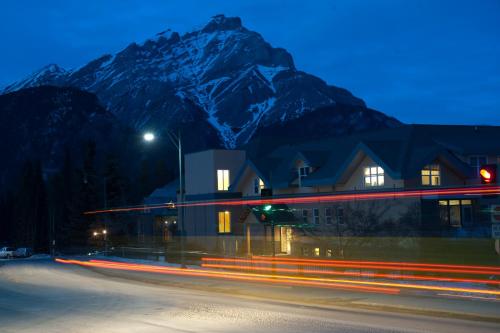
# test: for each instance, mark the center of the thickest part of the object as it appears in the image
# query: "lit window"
(316, 251)
(258, 185)
(455, 213)
(431, 175)
(224, 222)
(222, 180)
(329, 252)
(476, 162)
(328, 215)
(316, 215)
(374, 176)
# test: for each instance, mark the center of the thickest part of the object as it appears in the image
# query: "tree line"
(47, 206)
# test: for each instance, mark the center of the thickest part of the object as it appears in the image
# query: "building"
(341, 189)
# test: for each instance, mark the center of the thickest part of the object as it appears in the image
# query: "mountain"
(224, 76)
(41, 123)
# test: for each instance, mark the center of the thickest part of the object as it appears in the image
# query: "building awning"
(278, 215)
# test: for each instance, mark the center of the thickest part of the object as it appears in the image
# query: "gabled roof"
(401, 151)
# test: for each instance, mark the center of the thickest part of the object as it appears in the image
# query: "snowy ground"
(40, 296)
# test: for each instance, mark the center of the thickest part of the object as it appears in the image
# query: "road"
(42, 296)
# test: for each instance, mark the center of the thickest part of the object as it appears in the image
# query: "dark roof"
(402, 151)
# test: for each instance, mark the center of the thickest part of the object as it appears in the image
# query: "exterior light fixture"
(148, 137)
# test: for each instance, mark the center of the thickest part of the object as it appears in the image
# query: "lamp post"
(177, 142)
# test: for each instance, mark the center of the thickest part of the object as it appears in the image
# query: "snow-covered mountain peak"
(221, 22)
(223, 76)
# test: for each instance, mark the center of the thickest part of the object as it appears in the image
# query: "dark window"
(316, 215)
(305, 215)
(328, 215)
(476, 162)
(340, 215)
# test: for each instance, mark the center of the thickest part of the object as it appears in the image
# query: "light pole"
(177, 142)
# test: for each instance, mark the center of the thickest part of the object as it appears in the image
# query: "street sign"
(495, 213)
(495, 230)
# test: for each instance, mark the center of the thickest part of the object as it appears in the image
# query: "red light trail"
(316, 199)
(341, 264)
(357, 285)
(354, 274)
(286, 280)
(399, 263)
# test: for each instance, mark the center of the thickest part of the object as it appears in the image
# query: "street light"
(148, 137)
(177, 142)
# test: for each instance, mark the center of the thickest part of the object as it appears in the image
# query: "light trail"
(316, 199)
(471, 297)
(398, 263)
(228, 276)
(353, 274)
(349, 265)
(386, 287)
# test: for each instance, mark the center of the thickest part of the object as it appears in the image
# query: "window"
(374, 176)
(258, 185)
(340, 215)
(455, 213)
(305, 251)
(316, 252)
(431, 175)
(303, 172)
(305, 216)
(476, 162)
(316, 215)
(329, 252)
(224, 222)
(222, 180)
(328, 215)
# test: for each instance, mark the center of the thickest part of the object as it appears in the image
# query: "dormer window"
(477, 162)
(374, 176)
(258, 185)
(431, 175)
(304, 171)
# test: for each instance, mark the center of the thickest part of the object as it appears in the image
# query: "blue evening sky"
(420, 61)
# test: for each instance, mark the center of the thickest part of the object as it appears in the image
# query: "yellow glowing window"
(222, 180)
(224, 222)
(374, 176)
(431, 175)
(316, 251)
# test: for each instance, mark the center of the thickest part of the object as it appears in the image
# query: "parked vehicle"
(23, 252)
(7, 252)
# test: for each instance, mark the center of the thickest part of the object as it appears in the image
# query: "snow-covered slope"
(232, 74)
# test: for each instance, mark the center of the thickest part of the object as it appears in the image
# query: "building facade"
(317, 198)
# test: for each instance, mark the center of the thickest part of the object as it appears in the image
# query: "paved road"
(41, 296)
